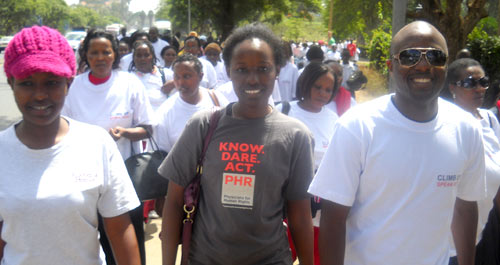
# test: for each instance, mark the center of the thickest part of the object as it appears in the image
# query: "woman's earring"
(453, 95)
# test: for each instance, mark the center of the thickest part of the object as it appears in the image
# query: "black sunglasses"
(411, 57)
(471, 83)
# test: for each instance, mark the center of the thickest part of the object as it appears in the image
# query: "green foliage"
(223, 15)
(16, 14)
(488, 24)
(379, 50)
(357, 19)
(486, 50)
(81, 16)
(300, 29)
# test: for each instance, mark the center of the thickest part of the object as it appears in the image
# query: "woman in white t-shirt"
(169, 54)
(114, 100)
(467, 84)
(153, 78)
(316, 87)
(58, 173)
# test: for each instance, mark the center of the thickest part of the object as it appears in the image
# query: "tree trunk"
(449, 21)
(398, 15)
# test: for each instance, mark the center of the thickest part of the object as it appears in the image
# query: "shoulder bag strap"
(163, 78)
(213, 97)
(192, 191)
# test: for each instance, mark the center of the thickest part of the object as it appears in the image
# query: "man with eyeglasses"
(401, 168)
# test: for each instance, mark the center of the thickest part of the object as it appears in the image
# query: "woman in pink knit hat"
(57, 173)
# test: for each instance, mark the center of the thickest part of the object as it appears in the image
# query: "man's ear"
(452, 89)
(389, 65)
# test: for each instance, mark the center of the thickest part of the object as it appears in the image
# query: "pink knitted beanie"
(39, 49)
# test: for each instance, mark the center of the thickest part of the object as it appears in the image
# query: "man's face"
(418, 79)
(153, 35)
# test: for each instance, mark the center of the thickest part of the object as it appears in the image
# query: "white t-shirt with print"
(401, 179)
(49, 198)
(120, 101)
(174, 114)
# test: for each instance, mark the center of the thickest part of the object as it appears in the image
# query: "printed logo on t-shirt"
(120, 115)
(238, 179)
(84, 177)
(445, 181)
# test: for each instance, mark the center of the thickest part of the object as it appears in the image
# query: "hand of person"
(168, 87)
(117, 132)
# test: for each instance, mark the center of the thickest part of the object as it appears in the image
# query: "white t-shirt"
(332, 105)
(209, 79)
(49, 198)
(401, 179)
(125, 61)
(320, 124)
(222, 77)
(287, 81)
(347, 71)
(153, 84)
(491, 136)
(158, 46)
(174, 114)
(227, 90)
(120, 101)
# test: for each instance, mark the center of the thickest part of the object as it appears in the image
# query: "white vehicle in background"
(4, 41)
(74, 38)
(164, 26)
(114, 28)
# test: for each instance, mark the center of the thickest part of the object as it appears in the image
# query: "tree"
(454, 18)
(227, 14)
(81, 16)
(358, 18)
(16, 14)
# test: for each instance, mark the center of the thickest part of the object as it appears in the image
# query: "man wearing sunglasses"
(402, 167)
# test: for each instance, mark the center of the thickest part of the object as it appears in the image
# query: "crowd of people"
(295, 168)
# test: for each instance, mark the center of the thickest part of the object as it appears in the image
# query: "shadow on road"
(6, 122)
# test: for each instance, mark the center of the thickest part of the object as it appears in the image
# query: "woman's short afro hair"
(251, 31)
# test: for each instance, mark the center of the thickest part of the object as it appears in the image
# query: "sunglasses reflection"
(411, 57)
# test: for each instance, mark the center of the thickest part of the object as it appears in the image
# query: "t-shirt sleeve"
(338, 175)
(180, 164)
(302, 166)
(118, 195)
(162, 135)
(472, 185)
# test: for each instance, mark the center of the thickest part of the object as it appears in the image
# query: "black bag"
(143, 170)
(356, 81)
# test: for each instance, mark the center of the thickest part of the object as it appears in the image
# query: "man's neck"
(416, 111)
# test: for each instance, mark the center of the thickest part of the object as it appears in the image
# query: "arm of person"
(133, 134)
(121, 235)
(301, 228)
(168, 87)
(464, 227)
(2, 243)
(332, 232)
(172, 222)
